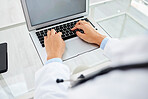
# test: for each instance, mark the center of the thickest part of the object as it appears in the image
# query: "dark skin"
(55, 46)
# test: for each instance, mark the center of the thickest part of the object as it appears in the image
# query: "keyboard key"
(57, 31)
(37, 33)
(57, 28)
(61, 26)
(67, 34)
(45, 34)
(53, 28)
(71, 32)
(60, 30)
(64, 32)
(64, 29)
(75, 22)
(63, 35)
(41, 39)
(71, 36)
(81, 31)
(45, 31)
(68, 28)
(68, 25)
(72, 26)
(43, 45)
(42, 42)
(40, 36)
(64, 25)
(41, 32)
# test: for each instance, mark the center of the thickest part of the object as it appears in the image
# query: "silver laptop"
(61, 15)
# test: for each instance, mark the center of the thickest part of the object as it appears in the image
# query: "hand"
(90, 34)
(54, 44)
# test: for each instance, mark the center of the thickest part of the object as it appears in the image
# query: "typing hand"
(90, 34)
(54, 44)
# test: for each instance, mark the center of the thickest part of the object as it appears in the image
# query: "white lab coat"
(130, 84)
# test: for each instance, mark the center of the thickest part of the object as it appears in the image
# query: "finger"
(48, 33)
(45, 38)
(78, 23)
(74, 28)
(79, 27)
(84, 22)
(79, 34)
(81, 22)
(60, 33)
(53, 32)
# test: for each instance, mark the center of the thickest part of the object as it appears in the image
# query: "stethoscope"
(82, 79)
(78, 79)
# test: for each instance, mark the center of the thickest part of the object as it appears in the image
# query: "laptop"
(61, 15)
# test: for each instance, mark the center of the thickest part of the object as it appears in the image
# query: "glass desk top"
(122, 18)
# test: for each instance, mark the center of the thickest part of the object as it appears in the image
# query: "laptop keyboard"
(64, 28)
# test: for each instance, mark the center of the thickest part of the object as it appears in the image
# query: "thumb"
(79, 34)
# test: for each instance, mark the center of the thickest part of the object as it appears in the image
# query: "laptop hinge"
(59, 23)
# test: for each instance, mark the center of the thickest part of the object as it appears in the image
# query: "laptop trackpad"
(75, 47)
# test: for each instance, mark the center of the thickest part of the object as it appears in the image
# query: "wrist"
(54, 56)
(100, 39)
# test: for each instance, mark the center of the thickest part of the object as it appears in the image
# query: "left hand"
(54, 44)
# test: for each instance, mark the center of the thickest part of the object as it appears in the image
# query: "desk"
(24, 61)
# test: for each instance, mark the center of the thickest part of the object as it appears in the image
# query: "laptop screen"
(41, 11)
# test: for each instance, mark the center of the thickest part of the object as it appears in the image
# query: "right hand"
(90, 35)
(54, 44)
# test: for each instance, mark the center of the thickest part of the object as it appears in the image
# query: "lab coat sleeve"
(45, 81)
(118, 50)
(111, 46)
(103, 43)
(59, 60)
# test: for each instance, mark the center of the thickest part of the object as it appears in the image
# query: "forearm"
(45, 80)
